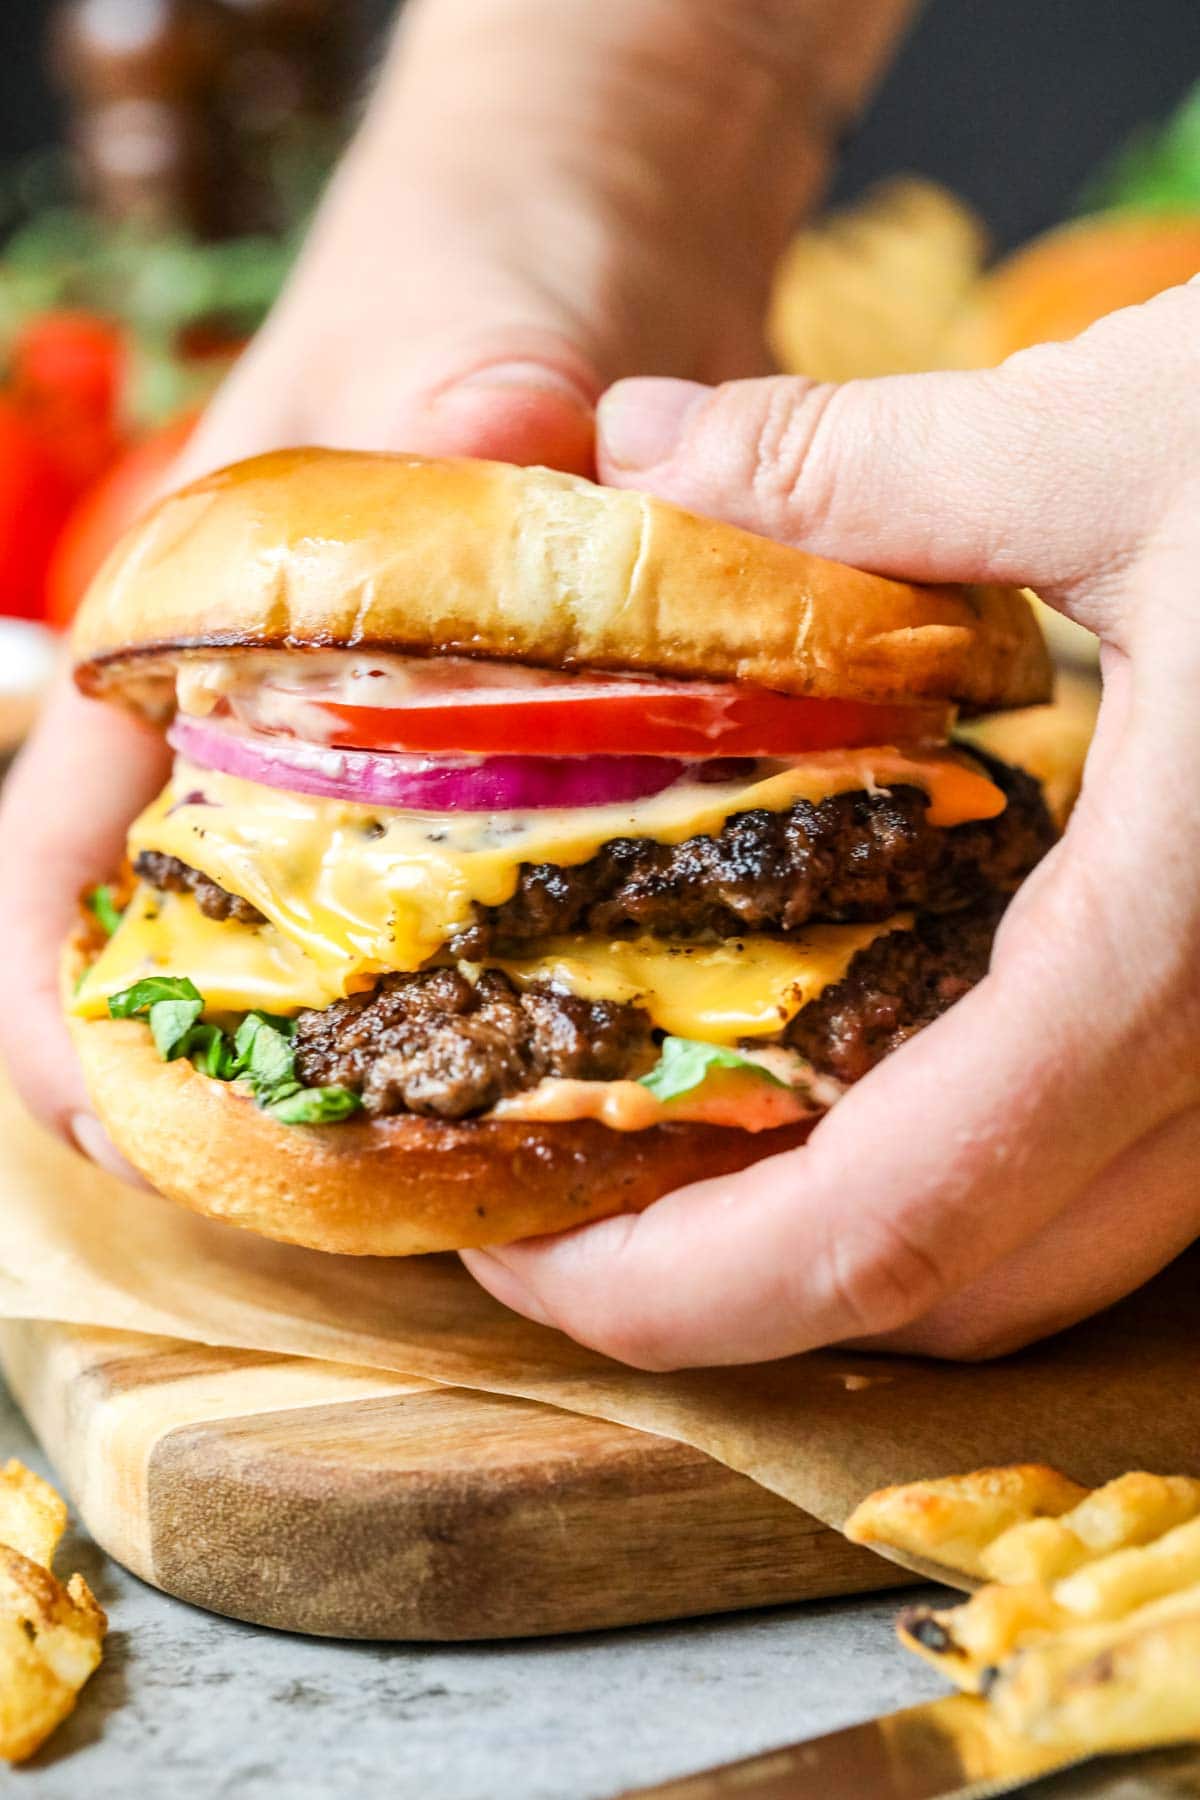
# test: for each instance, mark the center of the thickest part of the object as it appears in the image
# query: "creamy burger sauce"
(731, 1097)
(275, 692)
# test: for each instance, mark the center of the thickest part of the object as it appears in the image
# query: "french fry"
(51, 1636)
(1088, 1638)
(952, 1520)
(32, 1516)
(876, 288)
(1128, 1688)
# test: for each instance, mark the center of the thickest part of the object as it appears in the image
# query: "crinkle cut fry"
(952, 1520)
(1120, 1565)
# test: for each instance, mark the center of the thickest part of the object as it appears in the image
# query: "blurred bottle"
(143, 78)
(286, 90)
(184, 110)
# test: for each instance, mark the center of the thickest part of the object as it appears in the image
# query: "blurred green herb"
(104, 909)
(162, 285)
(1155, 170)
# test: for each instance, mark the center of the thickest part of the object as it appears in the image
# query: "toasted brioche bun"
(329, 549)
(381, 1187)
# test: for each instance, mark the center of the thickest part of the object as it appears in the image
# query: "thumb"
(1048, 470)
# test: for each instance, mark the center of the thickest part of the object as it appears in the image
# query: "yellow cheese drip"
(747, 987)
(362, 890)
(236, 967)
(720, 993)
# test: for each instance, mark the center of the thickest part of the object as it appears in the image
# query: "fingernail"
(639, 423)
(496, 1276)
(532, 376)
(92, 1139)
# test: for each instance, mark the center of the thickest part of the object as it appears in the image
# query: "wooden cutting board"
(348, 1503)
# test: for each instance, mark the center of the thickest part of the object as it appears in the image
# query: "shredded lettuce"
(260, 1052)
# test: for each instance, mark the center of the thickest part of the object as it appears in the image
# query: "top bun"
(342, 549)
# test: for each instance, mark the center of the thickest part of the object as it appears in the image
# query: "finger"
(65, 811)
(1012, 475)
(523, 394)
(954, 1151)
(1138, 1216)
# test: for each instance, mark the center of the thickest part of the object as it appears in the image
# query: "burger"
(532, 848)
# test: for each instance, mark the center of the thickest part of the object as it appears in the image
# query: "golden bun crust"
(383, 1187)
(323, 548)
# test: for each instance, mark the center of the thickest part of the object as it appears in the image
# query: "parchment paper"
(822, 1430)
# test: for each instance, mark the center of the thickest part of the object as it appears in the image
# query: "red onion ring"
(421, 783)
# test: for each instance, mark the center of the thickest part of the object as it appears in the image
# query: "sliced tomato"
(648, 720)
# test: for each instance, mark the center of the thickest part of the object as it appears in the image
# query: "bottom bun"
(399, 1186)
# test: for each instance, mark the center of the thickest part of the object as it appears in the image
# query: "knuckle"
(885, 1283)
(782, 470)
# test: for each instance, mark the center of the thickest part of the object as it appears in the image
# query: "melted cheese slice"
(363, 890)
(237, 968)
(719, 993)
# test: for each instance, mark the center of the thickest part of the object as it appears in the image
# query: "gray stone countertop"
(192, 1707)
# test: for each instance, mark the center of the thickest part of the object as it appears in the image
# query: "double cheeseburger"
(532, 848)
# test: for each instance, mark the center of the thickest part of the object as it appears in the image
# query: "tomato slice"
(649, 721)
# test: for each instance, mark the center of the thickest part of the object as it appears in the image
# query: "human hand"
(541, 199)
(1035, 1154)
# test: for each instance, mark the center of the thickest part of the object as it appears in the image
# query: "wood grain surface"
(348, 1503)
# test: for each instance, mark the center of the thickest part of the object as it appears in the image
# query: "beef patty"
(433, 1043)
(855, 856)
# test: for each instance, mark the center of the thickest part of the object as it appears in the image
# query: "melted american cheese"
(719, 993)
(237, 968)
(722, 993)
(362, 890)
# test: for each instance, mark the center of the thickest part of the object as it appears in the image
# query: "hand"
(542, 198)
(1035, 1154)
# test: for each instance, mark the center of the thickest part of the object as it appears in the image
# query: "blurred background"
(1025, 168)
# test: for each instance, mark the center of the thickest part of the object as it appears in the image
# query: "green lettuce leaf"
(260, 1052)
(686, 1064)
(171, 1023)
(315, 1106)
(133, 1001)
(265, 1055)
(104, 909)
(211, 1051)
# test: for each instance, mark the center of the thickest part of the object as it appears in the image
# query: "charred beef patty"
(170, 875)
(856, 856)
(432, 1043)
(892, 988)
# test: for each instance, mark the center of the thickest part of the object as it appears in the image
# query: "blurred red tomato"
(36, 496)
(114, 502)
(67, 371)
